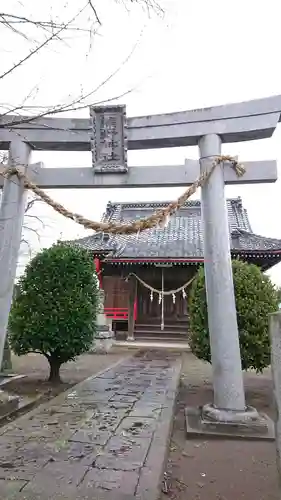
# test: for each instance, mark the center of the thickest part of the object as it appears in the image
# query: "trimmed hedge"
(256, 297)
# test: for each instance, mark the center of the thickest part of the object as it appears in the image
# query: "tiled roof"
(181, 238)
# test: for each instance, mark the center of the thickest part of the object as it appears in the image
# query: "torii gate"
(108, 133)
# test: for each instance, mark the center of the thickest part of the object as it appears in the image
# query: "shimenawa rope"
(159, 217)
(160, 292)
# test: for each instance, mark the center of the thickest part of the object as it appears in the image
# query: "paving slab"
(106, 438)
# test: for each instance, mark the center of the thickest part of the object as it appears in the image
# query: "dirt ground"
(220, 469)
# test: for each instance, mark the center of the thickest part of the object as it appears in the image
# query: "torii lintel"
(244, 121)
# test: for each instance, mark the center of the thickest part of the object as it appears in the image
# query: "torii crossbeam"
(137, 177)
(207, 128)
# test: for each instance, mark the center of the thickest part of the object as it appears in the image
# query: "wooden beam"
(154, 176)
(256, 119)
(131, 312)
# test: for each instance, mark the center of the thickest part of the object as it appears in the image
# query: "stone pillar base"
(103, 342)
(8, 403)
(211, 421)
(104, 338)
(7, 359)
(211, 413)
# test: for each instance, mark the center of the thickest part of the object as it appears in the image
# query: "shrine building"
(135, 269)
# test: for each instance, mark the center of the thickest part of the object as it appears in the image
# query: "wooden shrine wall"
(116, 292)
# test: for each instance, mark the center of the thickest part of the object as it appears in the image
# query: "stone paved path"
(104, 439)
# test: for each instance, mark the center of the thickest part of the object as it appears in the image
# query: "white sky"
(200, 54)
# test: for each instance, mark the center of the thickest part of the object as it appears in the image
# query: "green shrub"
(55, 309)
(255, 297)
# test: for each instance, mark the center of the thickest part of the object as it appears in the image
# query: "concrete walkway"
(105, 439)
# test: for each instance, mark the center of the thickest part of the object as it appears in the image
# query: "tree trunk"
(55, 365)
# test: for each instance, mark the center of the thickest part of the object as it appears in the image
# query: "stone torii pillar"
(11, 219)
(222, 318)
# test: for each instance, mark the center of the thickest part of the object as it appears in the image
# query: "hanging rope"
(162, 326)
(161, 292)
(160, 217)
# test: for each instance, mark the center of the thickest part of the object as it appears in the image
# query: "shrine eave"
(264, 259)
(153, 261)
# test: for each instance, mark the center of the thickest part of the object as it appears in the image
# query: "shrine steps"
(150, 344)
(174, 331)
(154, 336)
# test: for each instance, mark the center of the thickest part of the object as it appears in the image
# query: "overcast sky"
(199, 54)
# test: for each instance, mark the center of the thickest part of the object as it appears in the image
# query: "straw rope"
(159, 217)
(162, 292)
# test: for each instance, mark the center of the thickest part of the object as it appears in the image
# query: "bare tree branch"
(95, 11)
(77, 104)
(43, 44)
(27, 227)
(34, 231)
(8, 24)
(26, 242)
(82, 101)
(30, 204)
(11, 20)
(33, 225)
(37, 218)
